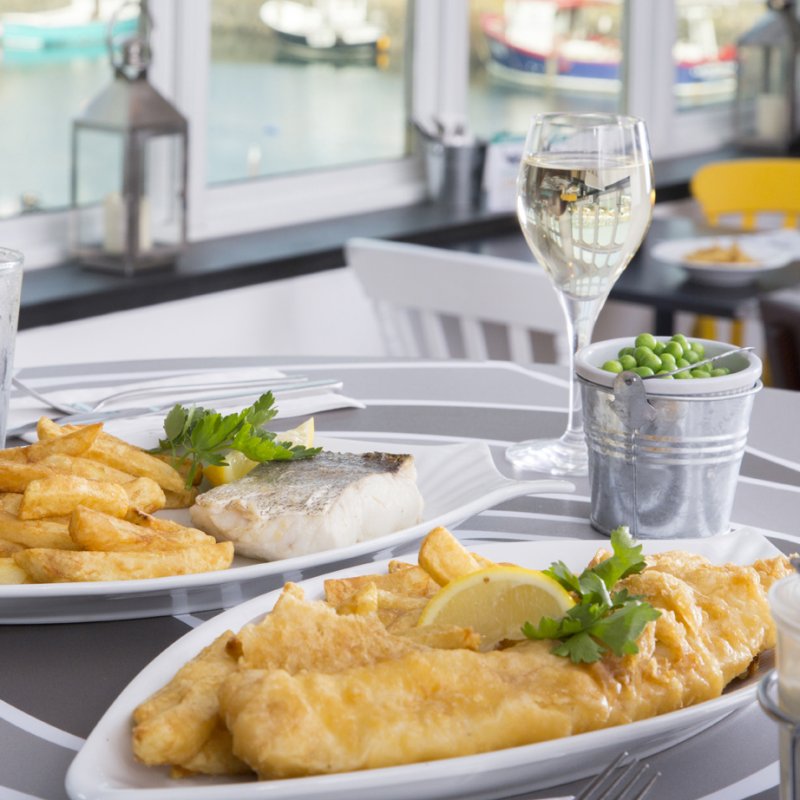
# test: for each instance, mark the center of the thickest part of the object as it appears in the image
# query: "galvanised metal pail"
(664, 456)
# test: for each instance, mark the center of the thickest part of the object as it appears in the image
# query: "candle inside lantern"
(114, 224)
(784, 598)
(772, 117)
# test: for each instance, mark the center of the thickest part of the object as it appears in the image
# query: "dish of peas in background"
(648, 356)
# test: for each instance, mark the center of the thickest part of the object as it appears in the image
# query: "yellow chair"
(738, 193)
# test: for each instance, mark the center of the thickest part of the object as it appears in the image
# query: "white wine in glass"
(584, 202)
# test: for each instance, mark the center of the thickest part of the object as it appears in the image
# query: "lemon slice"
(496, 602)
(239, 464)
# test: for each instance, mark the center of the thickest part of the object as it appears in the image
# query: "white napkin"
(24, 408)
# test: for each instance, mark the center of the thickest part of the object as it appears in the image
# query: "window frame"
(437, 83)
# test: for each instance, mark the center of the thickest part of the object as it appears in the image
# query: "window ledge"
(69, 292)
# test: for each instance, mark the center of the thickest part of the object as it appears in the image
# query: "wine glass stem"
(581, 316)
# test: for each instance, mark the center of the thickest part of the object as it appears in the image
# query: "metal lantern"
(129, 167)
(767, 81)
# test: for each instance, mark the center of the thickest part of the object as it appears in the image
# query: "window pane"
(298, 86)
(53, 61)
(705, 50)
(542, 55)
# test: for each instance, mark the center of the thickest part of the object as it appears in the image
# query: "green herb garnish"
(202, 436)
(602, 619)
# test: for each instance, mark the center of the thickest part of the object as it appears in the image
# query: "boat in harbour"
(574, 45)
(326, 28)
(79, 24)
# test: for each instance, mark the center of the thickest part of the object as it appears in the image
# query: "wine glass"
(584, 202)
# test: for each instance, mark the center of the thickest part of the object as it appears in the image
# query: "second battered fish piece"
(438, 704)
(179, 724)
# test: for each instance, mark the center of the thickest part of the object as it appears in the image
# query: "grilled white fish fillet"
(291, 508)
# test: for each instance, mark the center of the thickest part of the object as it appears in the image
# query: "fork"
(615, 782)
(607, 786)
(155, 391)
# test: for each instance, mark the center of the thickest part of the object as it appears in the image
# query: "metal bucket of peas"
(665, 450)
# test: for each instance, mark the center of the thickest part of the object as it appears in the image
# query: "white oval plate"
(456, 482)
(105, 768)
(769, 256)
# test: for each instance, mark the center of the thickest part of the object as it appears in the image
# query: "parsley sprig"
(602, 619)
(201, 436)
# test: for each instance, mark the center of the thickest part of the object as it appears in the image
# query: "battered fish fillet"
(291, 508)
(179, 725)
(432, 704)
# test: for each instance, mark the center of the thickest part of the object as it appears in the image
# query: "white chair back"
(436, 303)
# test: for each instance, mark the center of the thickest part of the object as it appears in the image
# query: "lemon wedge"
(239, 464)
(496, 601)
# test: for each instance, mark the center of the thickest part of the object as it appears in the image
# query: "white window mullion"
(650, 30)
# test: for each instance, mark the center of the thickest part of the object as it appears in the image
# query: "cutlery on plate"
(615, 782)
(67, 407)
(84, 418)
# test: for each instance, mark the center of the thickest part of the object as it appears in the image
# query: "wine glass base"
(564, 456)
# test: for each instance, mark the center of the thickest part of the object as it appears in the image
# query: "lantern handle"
(135, 55)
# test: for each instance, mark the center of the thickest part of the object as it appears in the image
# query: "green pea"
(699, 348)
(675, 349)
(626, 351)
(691, 356)
(644, 372)
(628, 362)
(719, 372)
(681, 362)
(652, 361)
(641, 353)
(645, 340)
(681, 339)
(612, 366)
(658, 348)
(683, 375)
(700, 373)
(664, 373)
(668, 361)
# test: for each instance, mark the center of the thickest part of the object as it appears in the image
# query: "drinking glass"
(584, 202)
(10, 287)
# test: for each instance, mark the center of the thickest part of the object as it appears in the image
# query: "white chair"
(436, 303)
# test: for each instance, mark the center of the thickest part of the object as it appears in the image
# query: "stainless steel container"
(662, 462)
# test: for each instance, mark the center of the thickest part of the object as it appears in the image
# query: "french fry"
(10, 572)
(7, 548)
(363, 601)
(35, 533)
(19, 454)
(86, 468)
(161, 524)
(46, 565)
(15, 476)
(182, 499)
(93, 530)
(145, 494)
(442, 556)
(120, 455)
(413, 582)
(74, 443)
(47, 429)
(62, 494)
(10, 502)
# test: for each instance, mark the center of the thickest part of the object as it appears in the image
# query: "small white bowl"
(745, 369)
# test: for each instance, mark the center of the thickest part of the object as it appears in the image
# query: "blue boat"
(82, 23)
(537, 42)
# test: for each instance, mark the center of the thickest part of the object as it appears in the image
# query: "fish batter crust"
(434, 704)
